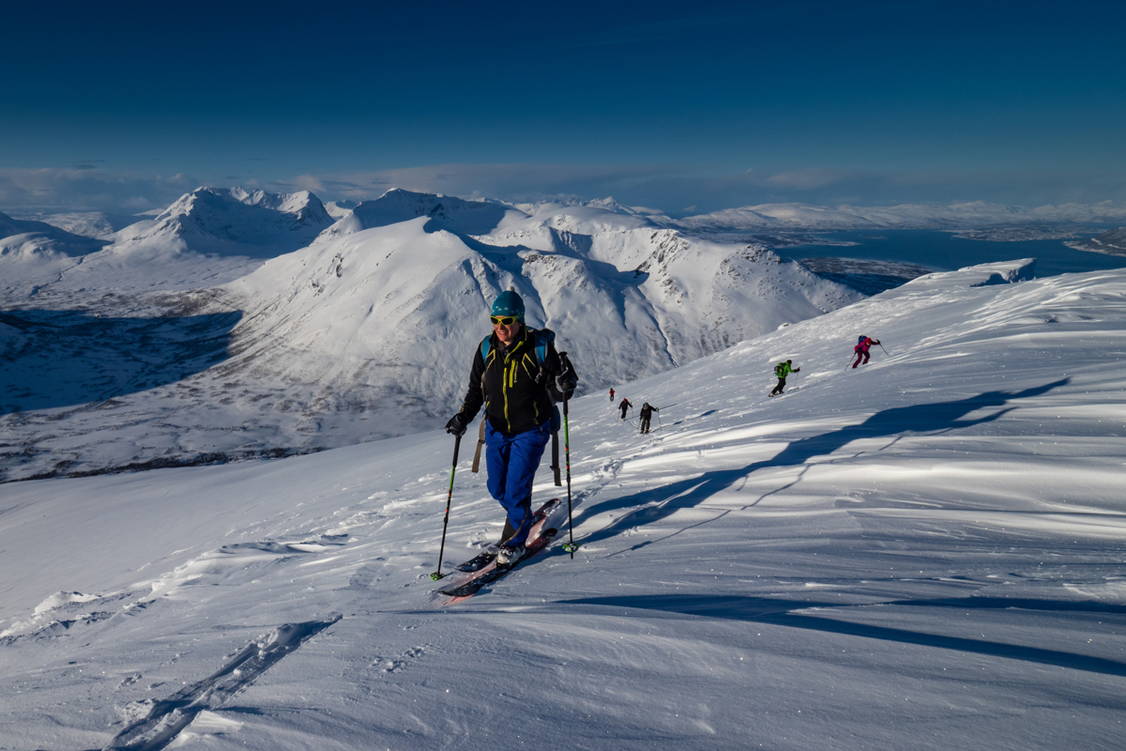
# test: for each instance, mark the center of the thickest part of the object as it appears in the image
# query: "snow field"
(925, 552)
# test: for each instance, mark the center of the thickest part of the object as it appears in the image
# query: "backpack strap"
(543, 337)
(555, 457)
(480, 442)
(486, 345)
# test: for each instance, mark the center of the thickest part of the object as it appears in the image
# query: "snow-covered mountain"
(960, 215)
(34, 253)
(100, 225)
(365, 332)
(340, 209)
(922, 553)
(443, 212)
(230, 222)
(30, 241)
(205, 238)
(369, 331)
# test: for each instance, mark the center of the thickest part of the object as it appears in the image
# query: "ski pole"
(885, 350)
(570, 547)
(446, 521)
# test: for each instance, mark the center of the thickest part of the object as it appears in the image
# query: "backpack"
(780, 370)
(541, 338)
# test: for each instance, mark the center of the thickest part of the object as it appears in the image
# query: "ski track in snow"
(168, 717)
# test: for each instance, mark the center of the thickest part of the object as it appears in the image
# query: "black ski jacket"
(512, 385)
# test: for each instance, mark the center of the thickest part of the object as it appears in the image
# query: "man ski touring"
(513, 374)
(646, 413)
(781, 370)
(624, 406)
(861, 350)
(611, 393)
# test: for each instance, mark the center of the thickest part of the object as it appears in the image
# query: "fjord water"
(946, 251)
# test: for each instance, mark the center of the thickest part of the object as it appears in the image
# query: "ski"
(479, 561)
(492, 572)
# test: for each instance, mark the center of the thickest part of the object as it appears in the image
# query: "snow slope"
(33, 252)
(925, 553)
(23, 239)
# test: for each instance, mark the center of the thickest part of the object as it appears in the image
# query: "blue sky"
(682, 106)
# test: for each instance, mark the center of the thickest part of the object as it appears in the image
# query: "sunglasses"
(503, 320)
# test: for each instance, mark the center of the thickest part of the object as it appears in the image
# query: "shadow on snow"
(652, 505)
(777, 612)
(61, 358)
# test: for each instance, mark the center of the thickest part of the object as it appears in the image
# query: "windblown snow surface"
(925, 552)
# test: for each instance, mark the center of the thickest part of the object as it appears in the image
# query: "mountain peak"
(236, 221)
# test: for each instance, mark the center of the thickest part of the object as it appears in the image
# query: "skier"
(646, 413)
(624, 406)
(861, 350)
(781, 370)
(611, 393)
(514, 387)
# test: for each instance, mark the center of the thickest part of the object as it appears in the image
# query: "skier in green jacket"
(781, 370)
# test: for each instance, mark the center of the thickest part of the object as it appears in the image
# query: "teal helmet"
(508, 303)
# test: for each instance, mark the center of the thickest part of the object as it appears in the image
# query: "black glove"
(566, 385)
(797, 370)
(457, 424)
(567, 379)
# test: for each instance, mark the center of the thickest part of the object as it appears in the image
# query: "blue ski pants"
(512, 461)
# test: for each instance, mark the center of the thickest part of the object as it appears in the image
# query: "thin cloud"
(808, 179)
(88, 189)
(678, 190)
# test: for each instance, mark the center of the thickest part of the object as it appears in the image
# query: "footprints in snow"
(395, 664)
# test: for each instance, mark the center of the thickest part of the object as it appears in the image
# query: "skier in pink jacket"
(861, 350)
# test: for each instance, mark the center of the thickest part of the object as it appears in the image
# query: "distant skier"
(861, 350)
(624, 406)
(514, 381)
(646, 413)
(611, 393)
(781, 370)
